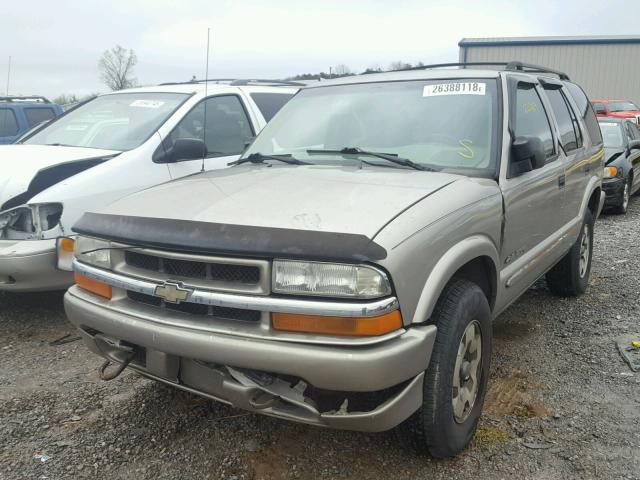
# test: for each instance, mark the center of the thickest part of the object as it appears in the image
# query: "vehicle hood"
(319, 198)
(611, 155)
(29, 169)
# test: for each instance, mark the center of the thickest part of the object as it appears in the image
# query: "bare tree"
(116, 68)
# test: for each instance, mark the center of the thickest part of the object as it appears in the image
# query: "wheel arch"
(592, 199)
(475, 259)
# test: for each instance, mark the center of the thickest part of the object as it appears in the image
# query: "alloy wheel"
(625, 197)
(585, 249)
(467, 371)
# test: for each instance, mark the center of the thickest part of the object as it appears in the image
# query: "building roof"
(581, 40)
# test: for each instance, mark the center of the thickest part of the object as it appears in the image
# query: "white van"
(113, 145)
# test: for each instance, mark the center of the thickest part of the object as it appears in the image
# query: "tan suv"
(346, 270)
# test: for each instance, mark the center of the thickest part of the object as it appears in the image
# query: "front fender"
(457, 256)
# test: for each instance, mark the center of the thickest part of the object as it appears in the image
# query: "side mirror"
(527, 153)
(182, 150)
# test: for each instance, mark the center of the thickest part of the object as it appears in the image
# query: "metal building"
(605, 66)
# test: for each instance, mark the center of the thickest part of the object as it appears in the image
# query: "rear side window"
(38, 115)
(570, 139)
(585, 110)
(226, 130)
(531, 118)
(270, 103)
(8, 123)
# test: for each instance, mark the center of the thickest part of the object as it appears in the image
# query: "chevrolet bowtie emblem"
(172, 292)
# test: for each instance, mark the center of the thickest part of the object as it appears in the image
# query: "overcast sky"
(55, 45)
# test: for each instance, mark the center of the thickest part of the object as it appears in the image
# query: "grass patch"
(489, 435)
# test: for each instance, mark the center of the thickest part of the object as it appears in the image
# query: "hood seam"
(408, 207)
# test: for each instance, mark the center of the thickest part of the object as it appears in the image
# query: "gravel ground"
(562, 403)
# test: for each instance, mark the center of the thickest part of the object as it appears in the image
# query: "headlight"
(612, 172)
(18, 224)
(30, 222)
(329, 279)
(93, 251)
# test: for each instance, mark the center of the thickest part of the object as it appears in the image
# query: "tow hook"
(117, 353)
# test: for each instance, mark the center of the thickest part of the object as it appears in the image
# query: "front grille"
(196, 308)
(222, 272)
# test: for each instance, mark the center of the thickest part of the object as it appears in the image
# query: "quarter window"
(531, 118)
(226, 130)
(8, 123)
(570, 138)
(586, 111)
(36, 116)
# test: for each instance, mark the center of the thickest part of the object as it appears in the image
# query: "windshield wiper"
(390, 157)
(260, 158)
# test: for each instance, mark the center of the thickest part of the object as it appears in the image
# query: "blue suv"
(20, 114)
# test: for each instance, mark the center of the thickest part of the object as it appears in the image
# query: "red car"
(616, 109)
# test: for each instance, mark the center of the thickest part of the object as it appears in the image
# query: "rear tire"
(456, 379)
(570, 276)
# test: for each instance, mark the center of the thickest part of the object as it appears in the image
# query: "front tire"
(624, 199)
(456, 379)
(570, 276)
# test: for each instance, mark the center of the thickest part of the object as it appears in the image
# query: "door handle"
(562, 180)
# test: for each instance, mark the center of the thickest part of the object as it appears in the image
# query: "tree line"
(344, 71)
(116, 70)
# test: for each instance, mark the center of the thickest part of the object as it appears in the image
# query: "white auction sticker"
(454, 88)
(147, 103)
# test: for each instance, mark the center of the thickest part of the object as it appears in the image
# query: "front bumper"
(207, 363)
(613, 188)
(30, 266)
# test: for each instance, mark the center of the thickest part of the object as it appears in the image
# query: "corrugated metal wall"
(604, 71)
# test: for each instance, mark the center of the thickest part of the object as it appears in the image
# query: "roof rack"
(30, 98)
(240, 82)
(513, 65)
(275, 83)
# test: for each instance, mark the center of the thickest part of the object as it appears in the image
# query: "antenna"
(8, 75)
(206, 84)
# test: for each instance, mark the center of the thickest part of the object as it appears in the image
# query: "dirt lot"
(562, 403)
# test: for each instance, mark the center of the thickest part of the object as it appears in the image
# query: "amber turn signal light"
(67, 244)
(345, 326)
(93, 286)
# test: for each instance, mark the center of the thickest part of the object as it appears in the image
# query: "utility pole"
(8, 75)
(330, 74)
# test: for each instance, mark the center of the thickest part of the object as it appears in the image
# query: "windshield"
(622, 107)
(612, 135)
(120, 121)
(447, 125)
